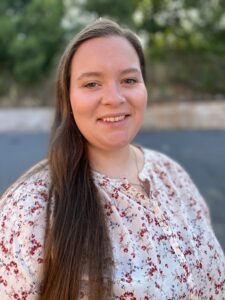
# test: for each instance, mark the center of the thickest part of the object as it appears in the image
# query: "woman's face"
(107, 92)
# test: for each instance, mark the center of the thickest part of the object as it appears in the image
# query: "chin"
(118, 144)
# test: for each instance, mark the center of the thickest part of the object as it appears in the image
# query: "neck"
(116, 163)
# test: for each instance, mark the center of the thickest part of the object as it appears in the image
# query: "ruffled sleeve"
(187, 188)
(22, 230)
(178, 182)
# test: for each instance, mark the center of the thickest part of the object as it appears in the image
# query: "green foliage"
(201, 72)
(177, 31)
(184, 37)
(116, 9)
(30, 36)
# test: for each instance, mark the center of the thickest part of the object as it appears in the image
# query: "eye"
(130, 81)
(91, 85)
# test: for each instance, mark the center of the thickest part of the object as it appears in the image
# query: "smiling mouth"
(114, 119)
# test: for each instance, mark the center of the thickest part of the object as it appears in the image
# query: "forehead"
(105, 52)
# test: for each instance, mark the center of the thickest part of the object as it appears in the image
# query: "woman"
(102, 218)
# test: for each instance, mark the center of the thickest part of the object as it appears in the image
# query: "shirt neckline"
(141, 173)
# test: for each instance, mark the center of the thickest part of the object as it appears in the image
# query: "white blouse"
(163, 243)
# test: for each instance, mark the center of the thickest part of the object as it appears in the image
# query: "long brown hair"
(77, 246)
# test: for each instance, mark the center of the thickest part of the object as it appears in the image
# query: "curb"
(208, 115)
(37, 119)
(159, 116)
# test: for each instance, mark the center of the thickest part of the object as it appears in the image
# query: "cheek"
(78, 109)
(80, 104)
(140, 98)
(83, 109)
(75, 102)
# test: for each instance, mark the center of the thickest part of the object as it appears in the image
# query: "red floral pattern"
(163, 244)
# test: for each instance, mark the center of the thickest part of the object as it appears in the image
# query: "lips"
(113, 118)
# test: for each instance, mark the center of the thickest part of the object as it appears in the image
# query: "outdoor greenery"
(30, 38)
(184, 41)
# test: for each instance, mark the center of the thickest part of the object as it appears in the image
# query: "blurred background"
(184, 43)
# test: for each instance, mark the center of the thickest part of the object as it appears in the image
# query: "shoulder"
(25, 201)
(35, 182)
(164, 166)
(23, 210)
(159, 159)
(168, 172)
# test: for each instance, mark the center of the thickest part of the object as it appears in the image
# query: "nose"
(113, 95)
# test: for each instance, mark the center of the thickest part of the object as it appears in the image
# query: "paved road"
(201, 153)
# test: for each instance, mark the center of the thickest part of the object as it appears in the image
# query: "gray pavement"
(202, 153)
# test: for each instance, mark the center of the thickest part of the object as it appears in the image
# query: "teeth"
(113, 119)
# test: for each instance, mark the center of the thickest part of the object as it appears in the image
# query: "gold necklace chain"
(140, 184)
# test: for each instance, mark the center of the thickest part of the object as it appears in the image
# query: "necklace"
(140, 185)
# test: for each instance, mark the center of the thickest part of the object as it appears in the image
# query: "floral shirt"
(163, 243)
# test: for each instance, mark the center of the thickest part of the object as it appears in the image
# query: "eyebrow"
(98, 74)
(130, 70)
(89, 74)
